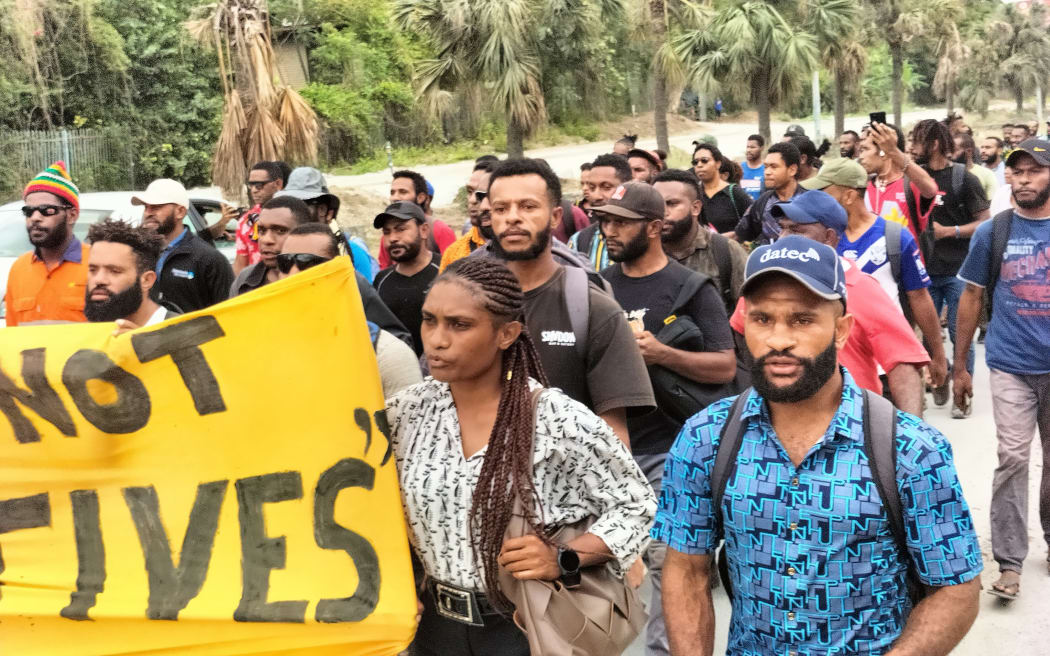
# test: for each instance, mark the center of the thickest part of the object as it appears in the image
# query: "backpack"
(757, 211)
(676, 395)
(881, 448)
(926, 236)
(893, 254)
(720, 251)
(997, 249)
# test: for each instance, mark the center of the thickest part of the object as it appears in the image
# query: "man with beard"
(953, 217)
(647, 286)
(881, 336)
(121, 273)
(47, 283)
(806, 540)
(607, 173)
(191, 274)
(882, 155)
(848, 142)
(404, 285)
(963, 154)
(644, 165)
(1009, 260)
(599, 364)
(413, 187)
(992, 158)
(691, 244)
(480, 221)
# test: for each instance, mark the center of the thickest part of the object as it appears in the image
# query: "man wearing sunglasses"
(480, 218)
(47, 283)
(264, 180)
(311, 244)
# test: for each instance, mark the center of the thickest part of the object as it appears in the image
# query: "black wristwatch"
(569, 565)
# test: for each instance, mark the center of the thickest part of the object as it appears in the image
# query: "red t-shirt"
(881, 336)
(891, 204)
(443, 237)
(247, 239)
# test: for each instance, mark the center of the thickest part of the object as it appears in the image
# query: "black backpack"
(881, 448)
(893, 254)
(1000, 235)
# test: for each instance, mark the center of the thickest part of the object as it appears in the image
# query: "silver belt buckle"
(446, 596)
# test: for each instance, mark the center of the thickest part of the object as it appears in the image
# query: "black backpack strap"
(880, 445)
(1000, 236)
(958, 178)
(578, 304)
(690, 288)
(732, 436)
(893, 254)
(724, 262)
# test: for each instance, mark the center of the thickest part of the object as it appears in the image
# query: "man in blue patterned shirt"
(812, 560)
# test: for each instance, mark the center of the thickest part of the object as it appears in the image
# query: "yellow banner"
(218, 484)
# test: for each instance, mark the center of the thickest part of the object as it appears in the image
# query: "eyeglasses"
(480, 196)
(257, 184)
(702, 160)
(302, 261)
(45, 210)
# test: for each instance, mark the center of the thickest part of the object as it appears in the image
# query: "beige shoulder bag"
(600, 617)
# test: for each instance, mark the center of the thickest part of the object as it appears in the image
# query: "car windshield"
(13, 238)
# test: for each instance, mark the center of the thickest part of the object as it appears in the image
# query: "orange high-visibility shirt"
(36, 294)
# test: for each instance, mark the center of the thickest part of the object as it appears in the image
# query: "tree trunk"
(840, 104)
(660, 99)
(760, 93)
(949, 98)
(660, 103)
(701, 105)
(897, 55)
(1019, 97)
(515, 139)
(816, 105)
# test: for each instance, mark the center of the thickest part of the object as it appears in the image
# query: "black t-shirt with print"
(612, 374)
(724, 209)
(948, 254)
(404, 295)
(650, 299)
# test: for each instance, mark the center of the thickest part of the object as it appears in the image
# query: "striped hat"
(55, 179)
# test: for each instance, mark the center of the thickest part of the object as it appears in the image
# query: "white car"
(95, 207)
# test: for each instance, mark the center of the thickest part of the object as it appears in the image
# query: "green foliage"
(877, 85)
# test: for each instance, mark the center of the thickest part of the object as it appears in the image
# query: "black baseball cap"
(634, 200)
(651, 157)
(1039, 149)
(402, 210)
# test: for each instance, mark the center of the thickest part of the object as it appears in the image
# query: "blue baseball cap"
(815, 265)
(813, 207)
(430, 188)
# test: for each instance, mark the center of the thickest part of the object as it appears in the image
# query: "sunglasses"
(302, 261)
(482, 195)
(702, 160)
(45, 210)
(257, 184)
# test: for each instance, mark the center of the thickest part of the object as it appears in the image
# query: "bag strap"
(578, 304)
(690, 288)
(724, 262)
(732, 199)
(1000, 237)
(732, 436)
(893, 248)
(958, 178)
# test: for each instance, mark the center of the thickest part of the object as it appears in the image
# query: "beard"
(1039, 200)
(410, 253)
(961, 159)
(166, 226)
(486, 230)
(678, 231)
(539, 244)
(631, 250)
(847, 153)
(118, 306)
(922, 160)
(990, 159)
(815, 373)
(54, 238)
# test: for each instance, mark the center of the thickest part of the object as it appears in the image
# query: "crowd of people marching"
(584, 394)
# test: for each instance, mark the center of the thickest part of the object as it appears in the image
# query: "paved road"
(1021, 628)
(565, 160)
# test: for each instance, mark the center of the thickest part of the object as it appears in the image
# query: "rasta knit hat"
(55, 179)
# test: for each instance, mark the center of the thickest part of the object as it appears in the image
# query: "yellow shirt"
(462, 247)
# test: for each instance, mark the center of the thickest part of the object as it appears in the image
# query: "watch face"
(569, 560)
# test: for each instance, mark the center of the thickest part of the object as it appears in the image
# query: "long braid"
(935, 136)
(506, 472)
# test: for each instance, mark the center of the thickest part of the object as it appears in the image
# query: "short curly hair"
(145, 243)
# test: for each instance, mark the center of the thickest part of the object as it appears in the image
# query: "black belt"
(459, 604)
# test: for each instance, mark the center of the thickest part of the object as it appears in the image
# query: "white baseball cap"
(163, 192)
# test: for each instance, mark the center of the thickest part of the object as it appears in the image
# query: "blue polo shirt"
(814, 566)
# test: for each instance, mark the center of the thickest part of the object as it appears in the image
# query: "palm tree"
(833, 23)
(663, 19)
(1024, 57)
(952, 52)
(750, 46)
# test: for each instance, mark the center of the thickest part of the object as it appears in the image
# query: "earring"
(882, 153)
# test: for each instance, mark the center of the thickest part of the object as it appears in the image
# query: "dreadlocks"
(934, 136)
(506, 472)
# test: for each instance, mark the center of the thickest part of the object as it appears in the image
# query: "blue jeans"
(948, 290)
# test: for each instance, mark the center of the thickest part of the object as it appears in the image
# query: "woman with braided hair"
(482, 432)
